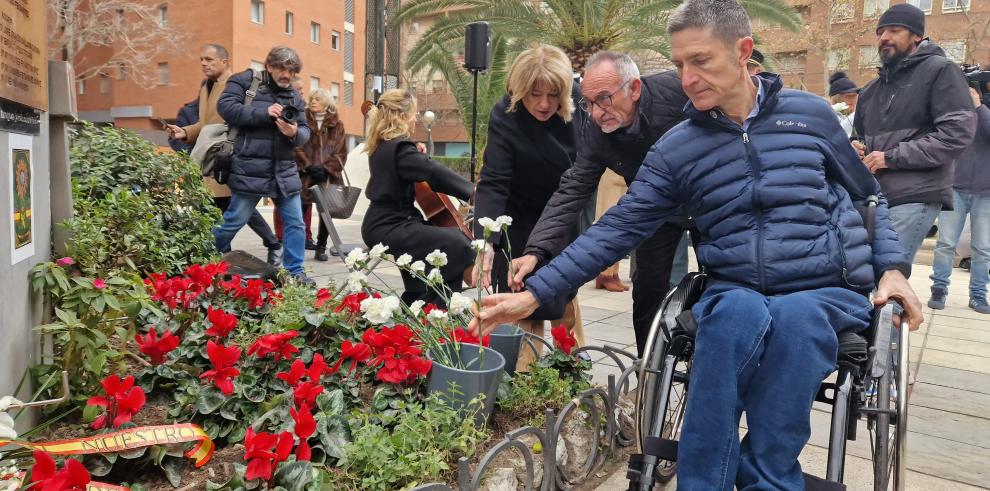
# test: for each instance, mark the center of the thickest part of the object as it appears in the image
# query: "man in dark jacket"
(770, 180)
(628, 114)
(970, 196)
(914, 119)
(264, 159)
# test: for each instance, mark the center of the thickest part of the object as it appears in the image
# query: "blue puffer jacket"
(774, 205)
(264, 159)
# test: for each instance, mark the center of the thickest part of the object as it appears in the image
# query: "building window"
(790, 62)
(121, 71)
(836, 59)
(314, 32)
(314, 83)
(335, 40)
(288, 22)
(120, 17)
(163, 15)
(349, 11)
(257, 65)
(348, 93)
(873, 8)
(437, 85)
(842, 11)
(954, 6)
(257, 11)
(335, 92)
(955, 50)
(81, 87)
(163, 74)
(869, 57)
(925, 5)
(104, 84)
(348, 51)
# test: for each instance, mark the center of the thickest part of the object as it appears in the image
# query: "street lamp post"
(428, 119)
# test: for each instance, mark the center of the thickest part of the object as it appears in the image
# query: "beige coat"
(208, 115)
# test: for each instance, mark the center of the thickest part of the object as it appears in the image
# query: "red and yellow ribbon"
(131, 439)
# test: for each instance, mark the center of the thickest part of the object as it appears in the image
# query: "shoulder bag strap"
(248, 99)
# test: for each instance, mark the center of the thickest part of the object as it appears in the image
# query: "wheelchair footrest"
(640, 472)
(814, 483)
(661, 448)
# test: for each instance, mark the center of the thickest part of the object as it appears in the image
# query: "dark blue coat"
(774, 205)
(264, 161)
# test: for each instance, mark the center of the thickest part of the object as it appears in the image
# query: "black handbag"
(341, 198)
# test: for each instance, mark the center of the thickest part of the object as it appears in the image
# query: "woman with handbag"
(396, 164)
(530, 145)
(321, 160)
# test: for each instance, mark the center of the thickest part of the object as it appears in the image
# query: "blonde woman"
(392, 218)
(531, 142)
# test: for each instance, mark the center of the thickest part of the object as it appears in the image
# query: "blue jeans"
(950, 225)
(766, 356)
(912, 221)
(239, 212)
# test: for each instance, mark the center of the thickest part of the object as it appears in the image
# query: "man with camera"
(215, 61)
(270, 126)
(914, 119)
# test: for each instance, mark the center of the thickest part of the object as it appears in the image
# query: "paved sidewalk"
(949, 424)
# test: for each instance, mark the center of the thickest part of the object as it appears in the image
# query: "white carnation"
(403, 260)
(418, 267)
(840, 106)
(503, 221)
(460, 304)
(380, 310)
(355, 257)
(417, 307)
(479, 245)
(434, 276)
(356, 282)
(7, 431)
(437, 258)
(378, 250)
(489, 224)
(436, 315)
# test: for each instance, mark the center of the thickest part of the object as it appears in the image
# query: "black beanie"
(904, 15)
(839, 83)
(756, 56)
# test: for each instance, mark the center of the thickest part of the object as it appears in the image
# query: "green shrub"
(533, 392)
(135, 208)
(460, 165)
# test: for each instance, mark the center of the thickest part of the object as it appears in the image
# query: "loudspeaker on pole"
(478, 46)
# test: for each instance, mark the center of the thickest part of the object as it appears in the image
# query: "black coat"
(524, 160)
(264, 160)
(660, 108)
(188, 114)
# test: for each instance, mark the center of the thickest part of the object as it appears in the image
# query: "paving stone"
(952, 400)
(961, 333)
(954, 378)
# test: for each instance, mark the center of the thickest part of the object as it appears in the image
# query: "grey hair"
(222, 52)
(284, 57)
(624, 65)
(727, 19)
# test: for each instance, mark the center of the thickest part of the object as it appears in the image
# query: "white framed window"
(81, 87)
(163, 15)
(104, 84)
(954, 6)
(121, 71)
(925, 5)
(163, 74)
(314, 32)
(335, 40)
(335, 92)
(842, 11)
(288, 22)
(868, 57)
(793, 62)
(257, 65)
(955, 50)
(836, 59)
(314, 83)
(873, 8)
(258, 11)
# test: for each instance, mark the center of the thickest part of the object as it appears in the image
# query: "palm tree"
(579, 27)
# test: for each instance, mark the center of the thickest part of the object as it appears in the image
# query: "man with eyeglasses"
(628, 114)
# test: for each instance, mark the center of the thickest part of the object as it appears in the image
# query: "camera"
(289, 114)
(977, 78)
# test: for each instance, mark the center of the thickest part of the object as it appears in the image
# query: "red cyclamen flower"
(351, 351)
(122, 401)
(397, 354)
(275, 343)
(221, 323)
(323, 296)
(204, 275)
(305, 394)
(352, 303)
(305, 427)
(46, 476)
(156, 348)
(299, 370)
(223, 372)
(462, 335)
(263, 451)
(563, 338)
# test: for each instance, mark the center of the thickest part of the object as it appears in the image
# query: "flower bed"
(296, 389)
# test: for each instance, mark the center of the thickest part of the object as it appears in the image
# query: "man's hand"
(975, 96)
(486, 269)
(875, 161)
(523, 266)
(175, 132)
(275, 110)
(894, 286)
(287, 129)
(500, 309)
(860, 148)
(421, 147)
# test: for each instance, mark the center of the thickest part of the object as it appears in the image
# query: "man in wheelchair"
(771, 181)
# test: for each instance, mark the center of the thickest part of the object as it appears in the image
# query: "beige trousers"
(571, 319)
(610, 189)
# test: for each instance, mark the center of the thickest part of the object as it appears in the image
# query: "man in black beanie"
(844, 95)
(913, 121)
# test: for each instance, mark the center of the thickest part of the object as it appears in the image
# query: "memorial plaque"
(23, 57)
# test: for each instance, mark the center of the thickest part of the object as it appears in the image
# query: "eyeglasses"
(603, 101)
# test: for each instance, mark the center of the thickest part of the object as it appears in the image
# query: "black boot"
(275, 256)
(321, 253)
(310, 245)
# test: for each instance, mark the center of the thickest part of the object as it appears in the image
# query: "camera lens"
(289, 114)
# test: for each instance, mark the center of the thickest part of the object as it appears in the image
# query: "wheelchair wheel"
(888, 420)
(666, 469)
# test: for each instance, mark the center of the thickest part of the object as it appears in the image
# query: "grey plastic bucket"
(506, 339)
(459, 386)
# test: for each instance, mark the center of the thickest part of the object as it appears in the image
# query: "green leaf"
(210, 399)
(255, 393)
(315, 318)
(133, 454)
(331, 402)
(335, 434)
(294, 476)
(99, 465)
(173, 469)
